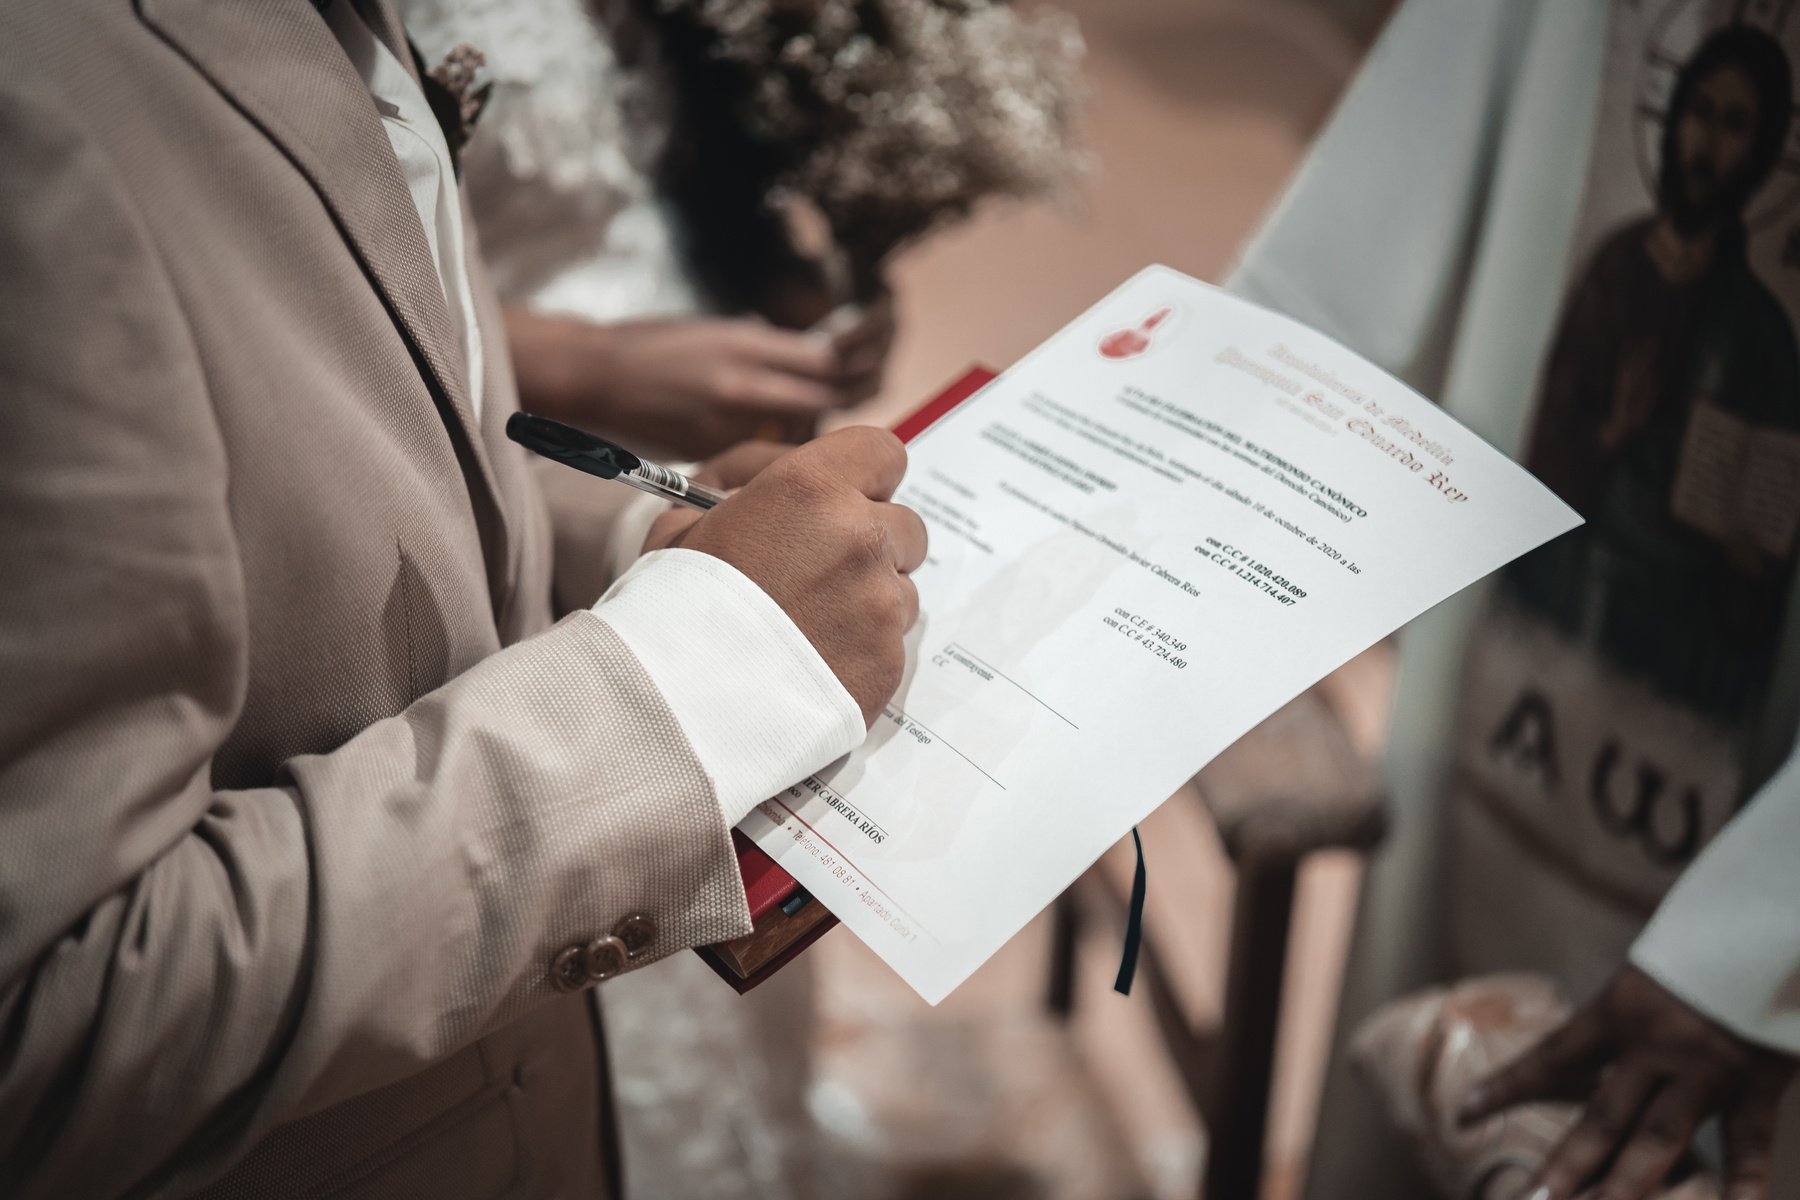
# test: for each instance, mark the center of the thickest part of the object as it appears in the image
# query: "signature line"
(1002, 674)
(949, 747)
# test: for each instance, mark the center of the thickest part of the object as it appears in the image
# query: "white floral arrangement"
(893, 117)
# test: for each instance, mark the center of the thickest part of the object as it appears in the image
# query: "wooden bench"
(1290, 787)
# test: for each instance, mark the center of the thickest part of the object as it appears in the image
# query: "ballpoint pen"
(582, 450)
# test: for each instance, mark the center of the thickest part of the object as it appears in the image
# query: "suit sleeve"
(1726, 938)
(181, 967)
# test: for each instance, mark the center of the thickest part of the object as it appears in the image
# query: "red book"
(786, 918)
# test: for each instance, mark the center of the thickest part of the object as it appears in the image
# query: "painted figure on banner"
(1620, 681)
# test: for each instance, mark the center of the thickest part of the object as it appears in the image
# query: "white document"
(1167, 521)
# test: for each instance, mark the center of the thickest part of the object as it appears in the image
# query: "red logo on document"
(1129, 343)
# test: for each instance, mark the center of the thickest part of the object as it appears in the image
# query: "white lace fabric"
(558, 170)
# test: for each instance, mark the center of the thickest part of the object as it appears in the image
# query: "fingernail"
(1542, 1193)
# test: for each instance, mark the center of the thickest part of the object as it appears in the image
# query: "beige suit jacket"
(299, 792)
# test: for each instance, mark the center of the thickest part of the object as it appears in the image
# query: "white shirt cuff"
(758, 704)
(1726, 939)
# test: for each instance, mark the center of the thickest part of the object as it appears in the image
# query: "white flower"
(897, 116)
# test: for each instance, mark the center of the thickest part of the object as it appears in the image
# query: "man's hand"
(1651, 1070)
(814, 530)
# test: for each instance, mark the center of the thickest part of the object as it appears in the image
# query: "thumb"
(739, 465)
(1544, 1071)
(670, 529)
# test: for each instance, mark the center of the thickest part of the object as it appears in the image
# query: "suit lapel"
(280, 64)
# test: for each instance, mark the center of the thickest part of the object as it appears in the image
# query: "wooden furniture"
(1292, 786)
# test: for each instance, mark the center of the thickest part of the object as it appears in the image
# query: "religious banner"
(1620, 675)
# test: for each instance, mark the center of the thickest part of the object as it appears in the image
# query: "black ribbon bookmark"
(1134, 923)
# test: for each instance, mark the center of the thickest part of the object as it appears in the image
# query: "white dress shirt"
(424, 156)
(759, 705)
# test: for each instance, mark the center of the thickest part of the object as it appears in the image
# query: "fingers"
(670, 529)
(739, 465)
(800, 372)
(854, 389)
(1611, 1114)
(1547, 1070)
(862, 350)
(871, 460)
(778, 391)
(1659, 1137)
(906, 536)
(786, 351)
(863, 361)
(815, 531)
(1750, 1130)
(1674, 1069)
(778, 370)
(909, 607)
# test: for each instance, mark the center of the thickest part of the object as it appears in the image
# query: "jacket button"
(637, 932)
(604, 957)
(568, 970)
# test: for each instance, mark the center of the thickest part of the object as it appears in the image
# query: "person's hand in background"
(862, 337)
(696, 385)
(736, 467)
(815, 530)
(1650, 1070)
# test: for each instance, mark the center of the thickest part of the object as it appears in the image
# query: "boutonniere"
(456, 100)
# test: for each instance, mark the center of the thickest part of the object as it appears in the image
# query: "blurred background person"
(671, 277)
(610, 318)
(624, 312)
(1700, 1027)
(1702, 1023)
(1596, 214)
